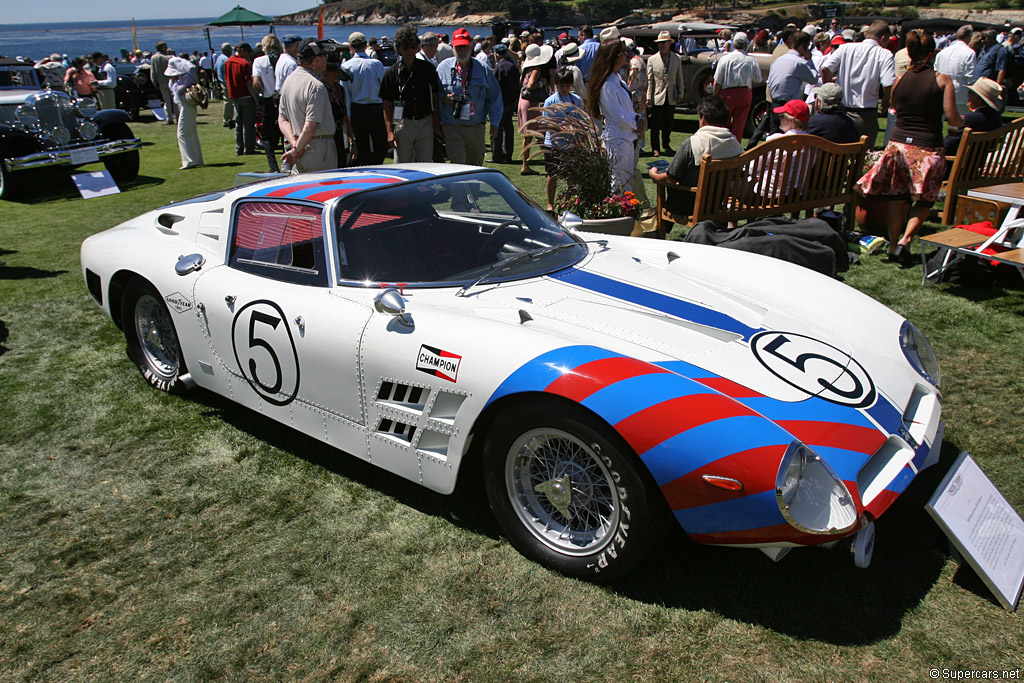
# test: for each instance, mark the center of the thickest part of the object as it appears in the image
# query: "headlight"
(810, 495)
(26, 114)
(919, 353)
(88, 129)
(61, 135)
(87, 107)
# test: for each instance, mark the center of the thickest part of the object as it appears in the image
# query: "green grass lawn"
(152, 537)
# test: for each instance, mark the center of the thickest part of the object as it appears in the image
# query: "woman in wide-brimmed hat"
(535, 89)
(985, 102)
(179, 71)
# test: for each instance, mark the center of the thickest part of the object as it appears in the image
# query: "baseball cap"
(838, 40)
(829, 93)
(500, 49)
(563, 36)
(796, 108)
(461, 37)
(356, 38)
(291, 40)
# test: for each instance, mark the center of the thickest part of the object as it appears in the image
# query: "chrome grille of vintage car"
(54, 111)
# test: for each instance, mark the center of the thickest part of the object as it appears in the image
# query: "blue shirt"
(218, 66)
(364, 88)
(991, 62)
(571, 98)
(482, 91)
(589, 50)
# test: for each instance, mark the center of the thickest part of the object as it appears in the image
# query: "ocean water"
(37, 41)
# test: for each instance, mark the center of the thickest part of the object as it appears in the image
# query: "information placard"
(983, 527)
(84, 155)
(157, 107)
(95, 184)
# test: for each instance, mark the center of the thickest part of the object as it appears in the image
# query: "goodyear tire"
(123, 167)
(566, 490)
(151, 338)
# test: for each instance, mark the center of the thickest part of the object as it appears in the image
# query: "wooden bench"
(983, 159)
(790, 174)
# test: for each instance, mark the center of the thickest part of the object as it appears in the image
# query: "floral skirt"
(905, 170)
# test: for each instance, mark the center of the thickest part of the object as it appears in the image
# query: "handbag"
(198, 95)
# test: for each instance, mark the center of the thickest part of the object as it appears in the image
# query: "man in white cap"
(735, 77)
(664, 91)
(365, 105)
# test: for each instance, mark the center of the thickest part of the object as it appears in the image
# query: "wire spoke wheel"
(561, 491)
(567, 490)
(156, 336)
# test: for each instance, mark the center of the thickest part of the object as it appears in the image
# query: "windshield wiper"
(532, 254)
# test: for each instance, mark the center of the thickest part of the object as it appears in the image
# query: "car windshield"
(449, 231)
(18, 77)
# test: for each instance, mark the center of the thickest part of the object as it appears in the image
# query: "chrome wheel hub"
(562, 491)
(156, 335)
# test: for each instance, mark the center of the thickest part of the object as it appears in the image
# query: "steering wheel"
(498, 232)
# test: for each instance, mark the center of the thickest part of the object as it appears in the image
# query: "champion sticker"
(443, 364)
(178, 302)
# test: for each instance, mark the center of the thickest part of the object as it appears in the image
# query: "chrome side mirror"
(390, 301)
(571, 220)
(189, 264)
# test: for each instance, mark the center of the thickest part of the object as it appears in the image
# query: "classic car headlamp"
(919, 353)
(88, 129)
(61, 135)
(811, 495)
(26, 114)
(87, 107)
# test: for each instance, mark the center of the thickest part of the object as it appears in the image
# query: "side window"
(281, 241)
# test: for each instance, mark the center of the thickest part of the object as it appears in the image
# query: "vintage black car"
(42, 128)
(135, 88)
(700, 49)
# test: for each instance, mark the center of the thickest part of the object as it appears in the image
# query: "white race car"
(418, 316)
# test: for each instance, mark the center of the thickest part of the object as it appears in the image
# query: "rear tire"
(151, 338)
(568, 491)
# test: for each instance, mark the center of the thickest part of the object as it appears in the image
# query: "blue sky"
(111, 10)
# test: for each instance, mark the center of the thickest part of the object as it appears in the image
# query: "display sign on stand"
(983, 527)
(95, 184)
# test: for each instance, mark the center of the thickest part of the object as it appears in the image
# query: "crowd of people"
(322, 104)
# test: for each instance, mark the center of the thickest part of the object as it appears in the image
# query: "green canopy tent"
(240, 17)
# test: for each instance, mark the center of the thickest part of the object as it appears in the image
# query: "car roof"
(327, 185)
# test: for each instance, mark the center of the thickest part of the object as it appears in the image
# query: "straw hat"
(988, 90)
(663, 36)
(571, 53)
(537, 55)
(610, 33)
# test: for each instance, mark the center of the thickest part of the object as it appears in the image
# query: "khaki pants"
(465, 143)
(414, 140)
(321, 154)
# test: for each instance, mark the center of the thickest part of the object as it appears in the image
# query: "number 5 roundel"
(814, 367)
(265, 351)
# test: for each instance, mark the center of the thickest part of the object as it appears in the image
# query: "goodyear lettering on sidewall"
(434, 361)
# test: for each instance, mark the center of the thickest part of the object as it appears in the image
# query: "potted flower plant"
(585, 169)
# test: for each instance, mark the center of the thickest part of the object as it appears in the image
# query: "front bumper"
(62, 157)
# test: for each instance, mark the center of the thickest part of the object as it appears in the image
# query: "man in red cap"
(793, 118)
(469, 94)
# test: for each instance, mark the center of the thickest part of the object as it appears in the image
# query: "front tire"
(123, 167)
(152, 341)
(9, 185)
(567, 491)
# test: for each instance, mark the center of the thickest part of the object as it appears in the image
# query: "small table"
(956, 240)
